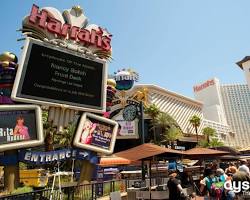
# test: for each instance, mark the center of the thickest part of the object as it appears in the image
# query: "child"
(21, 129)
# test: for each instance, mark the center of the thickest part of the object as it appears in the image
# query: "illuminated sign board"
(20, 127)
(50, 75)
(127, 129)
(96, 133)
(42, 19)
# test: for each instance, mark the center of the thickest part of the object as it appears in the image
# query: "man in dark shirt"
(174, 186)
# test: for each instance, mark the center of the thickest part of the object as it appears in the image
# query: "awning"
(113, 160)
(191, 138)
(130, 156)
(145, 151)
(189, 162)
(188, 139)
(204, 151)
(231, 150)
(245, 149)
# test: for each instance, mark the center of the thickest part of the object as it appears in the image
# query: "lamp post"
(142, 122)
(142, 136)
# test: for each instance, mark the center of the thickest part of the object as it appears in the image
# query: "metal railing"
(81, 192)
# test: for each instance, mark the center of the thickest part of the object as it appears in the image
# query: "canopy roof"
(245, 59)
(245, 149)
(198, 151)
(144, 151)
(114, 160)
(231, 150)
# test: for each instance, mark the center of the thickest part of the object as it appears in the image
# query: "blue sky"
(170, 43)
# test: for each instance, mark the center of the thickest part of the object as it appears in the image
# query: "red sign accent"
(208, 83)
(81, 35)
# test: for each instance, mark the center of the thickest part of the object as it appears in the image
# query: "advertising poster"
(127, 129)
(96, 133)
(20, 126)
(50, 75)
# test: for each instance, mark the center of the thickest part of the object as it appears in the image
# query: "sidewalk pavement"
(123, 195)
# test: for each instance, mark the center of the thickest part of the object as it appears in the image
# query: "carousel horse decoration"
(141, 95)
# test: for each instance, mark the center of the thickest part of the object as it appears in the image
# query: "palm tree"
(170, 130)
(152, 111)
(172, 134)
(49, 132)
(196, 122)
(208, 133)
(66, 136)
(215, 143)
(203, 143)
(165, 121)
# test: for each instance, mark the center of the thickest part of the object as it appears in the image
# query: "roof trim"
(245, 59)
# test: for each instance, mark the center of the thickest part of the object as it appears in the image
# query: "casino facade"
(180, 107)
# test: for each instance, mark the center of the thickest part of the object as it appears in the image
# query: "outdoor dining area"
(154, 164)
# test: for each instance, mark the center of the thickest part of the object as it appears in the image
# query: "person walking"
(207, 183)
(174, 186)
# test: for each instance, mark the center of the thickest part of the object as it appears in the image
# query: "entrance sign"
(20, 127)
(96, 133)
(38, 158)
(53, 76)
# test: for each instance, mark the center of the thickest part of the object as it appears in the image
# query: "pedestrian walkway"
(123, 195)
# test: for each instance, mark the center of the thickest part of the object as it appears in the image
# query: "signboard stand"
(72, 170)
(86, 172)
(70, 75)
(11, 172)
(57, 174)
(61, 116)
(100, 179)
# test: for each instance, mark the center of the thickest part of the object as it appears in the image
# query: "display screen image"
(96, 133)
(20, 126)
(16, 126)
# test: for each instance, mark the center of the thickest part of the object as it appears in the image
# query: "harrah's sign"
(81, 35)
(208, 83)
